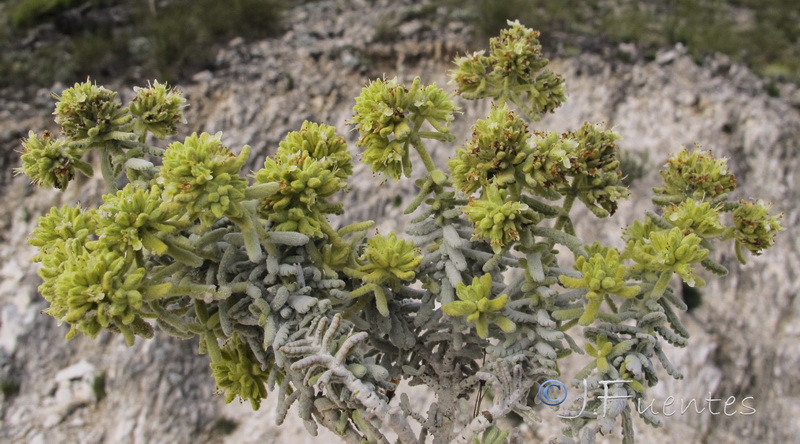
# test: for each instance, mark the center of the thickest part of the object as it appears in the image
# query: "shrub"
(475, 300)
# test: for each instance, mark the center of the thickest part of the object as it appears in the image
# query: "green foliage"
(9, 388)
(172, 40)
(225, 426)
(332, 319)
(183, 35)
(26, 13)
(99, 386)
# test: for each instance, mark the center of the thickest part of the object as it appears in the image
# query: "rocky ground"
(744, 336)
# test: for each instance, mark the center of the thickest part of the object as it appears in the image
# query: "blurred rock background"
(664, 74)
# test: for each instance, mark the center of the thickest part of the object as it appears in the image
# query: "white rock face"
(744, 336)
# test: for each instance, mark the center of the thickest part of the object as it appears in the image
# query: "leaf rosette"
(475, 303)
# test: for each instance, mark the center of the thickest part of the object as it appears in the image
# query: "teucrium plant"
(333, 318)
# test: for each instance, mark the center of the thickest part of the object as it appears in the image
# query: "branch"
(511, 390)
(317, 349)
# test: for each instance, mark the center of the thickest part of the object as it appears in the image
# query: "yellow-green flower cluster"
(588, 156)
(695, 217)
(305, 184)
(389, 115)
(596, 169)
(157, 109)
(238, 373)
(100, 289)
(62, 230)
(697, 175)
(51, 162)
(471, 76)
(549, 161)
(320, 142)
(201, 176)
(133, 219)
(90, 114)
(390, 261)
(667, 251)
(498, 146)
(498, 219)
(476, 305)
(509, 71)
(755, 229)
(601, 275)
(517, 52)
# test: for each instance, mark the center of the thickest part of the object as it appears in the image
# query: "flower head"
(596, 169)
(133, 219)
(90, 113)
(201, 176)
(755, 229)
(100, 289)
(60, 233)
(51, 162)
(549, 161)
(696, 217)
(157, 109)
(387, 116)
(321, 143)
(668, 250)
(301, 200)
(601, 274)
(498, 146)
(238, 373)
(513, 71)
(697, 175)
(499, 220)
